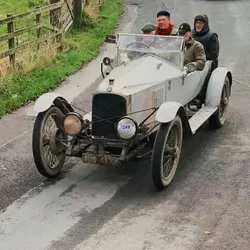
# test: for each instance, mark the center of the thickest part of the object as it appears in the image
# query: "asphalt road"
(91, 207)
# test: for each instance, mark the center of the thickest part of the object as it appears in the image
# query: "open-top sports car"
(146, 99)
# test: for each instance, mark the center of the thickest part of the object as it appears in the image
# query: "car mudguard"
(168, 111)
(215, 86)
(45, 101)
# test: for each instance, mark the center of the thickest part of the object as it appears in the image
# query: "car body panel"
(139, 74)
(150, 81)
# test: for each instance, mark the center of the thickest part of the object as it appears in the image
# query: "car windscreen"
(166, 47)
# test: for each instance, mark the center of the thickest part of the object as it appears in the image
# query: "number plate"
(100, 159)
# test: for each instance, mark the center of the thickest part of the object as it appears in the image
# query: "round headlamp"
(126, 128)
(72, 124)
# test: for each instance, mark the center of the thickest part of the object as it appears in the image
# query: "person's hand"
(191, 67)
(124, 58)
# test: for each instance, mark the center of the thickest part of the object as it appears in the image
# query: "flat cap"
(183, 28)
(149, 27)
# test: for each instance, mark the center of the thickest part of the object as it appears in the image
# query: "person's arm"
(200, 56)
(214, 49)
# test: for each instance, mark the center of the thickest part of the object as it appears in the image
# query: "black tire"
(46, 168)
(152, 137)
(218, 119)
(163, 134)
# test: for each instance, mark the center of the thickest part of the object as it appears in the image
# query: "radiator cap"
(109, 88)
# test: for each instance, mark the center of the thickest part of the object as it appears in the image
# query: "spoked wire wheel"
(218, 119)
(48, 152)
(166, 152)
(224, 101)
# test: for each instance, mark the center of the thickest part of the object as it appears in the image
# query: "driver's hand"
(124, 57)
(133, 55)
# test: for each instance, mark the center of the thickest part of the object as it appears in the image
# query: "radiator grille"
(106, 106)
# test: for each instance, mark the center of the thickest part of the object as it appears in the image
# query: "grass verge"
(20, 6)
(21, 88)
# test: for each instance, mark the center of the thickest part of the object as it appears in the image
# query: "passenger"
(209, 39)
(194, 55)
(164, 25)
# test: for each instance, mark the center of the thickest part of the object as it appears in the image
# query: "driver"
(142, 43)
(194, 53)
(148, 29)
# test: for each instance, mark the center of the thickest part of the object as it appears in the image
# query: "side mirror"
(106, 61)
(110, 39)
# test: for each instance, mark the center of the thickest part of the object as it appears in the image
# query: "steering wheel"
(141, 43)
(137, 53)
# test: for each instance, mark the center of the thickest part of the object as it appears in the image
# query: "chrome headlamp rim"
(129, 118)
(80, 119)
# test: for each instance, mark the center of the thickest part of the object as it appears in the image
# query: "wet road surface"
(91, 207)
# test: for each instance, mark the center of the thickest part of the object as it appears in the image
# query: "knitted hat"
(203, 18)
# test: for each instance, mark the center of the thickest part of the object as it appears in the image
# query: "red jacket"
(171, 30)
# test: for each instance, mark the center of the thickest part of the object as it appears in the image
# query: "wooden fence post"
(59, 38)
(38, 28)
(54, 14)
(11, 41)
(78, 13)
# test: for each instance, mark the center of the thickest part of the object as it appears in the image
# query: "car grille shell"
(105, 106)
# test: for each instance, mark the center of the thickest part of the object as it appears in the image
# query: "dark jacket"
(210, 42)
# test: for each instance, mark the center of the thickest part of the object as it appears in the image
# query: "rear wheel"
(218, 119)
(166, 152)
(48, 152)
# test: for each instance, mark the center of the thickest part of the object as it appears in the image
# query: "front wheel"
(166, 152)
(218, 119)
(48, 152)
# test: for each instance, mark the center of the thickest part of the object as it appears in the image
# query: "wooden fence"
(41, 24)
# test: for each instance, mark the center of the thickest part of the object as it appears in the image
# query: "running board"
(199, 118)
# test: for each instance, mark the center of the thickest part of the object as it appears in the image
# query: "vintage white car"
(146, 99)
